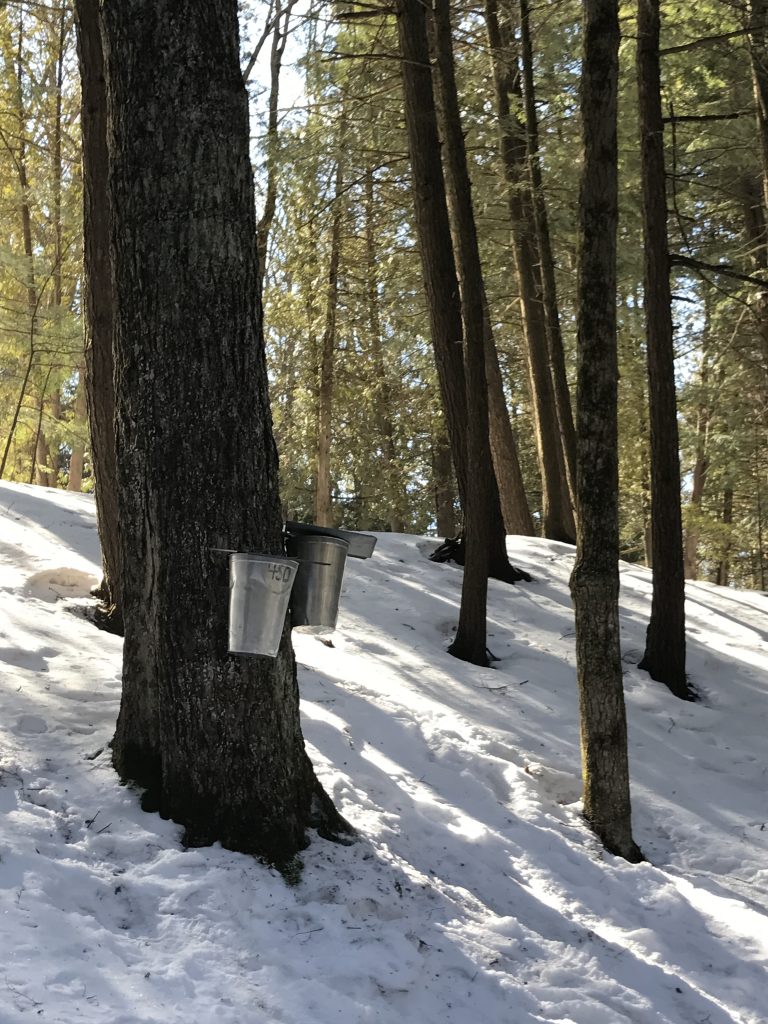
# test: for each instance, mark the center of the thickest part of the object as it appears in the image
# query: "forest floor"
(475, 893)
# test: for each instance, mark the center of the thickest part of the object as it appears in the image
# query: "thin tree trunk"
(25, 215)
(723, 571)
(219, 743)
(544, 244)
(701, 464)
(326, 370)
(757, 28)
(506, 463)
(664, 656)
(39, 472)
(759, 576)
(443, 484)
(98, 307)
(557, 512)
(433, 230)
(279, 38)
(470, 641)
(77, 458)
(382, 396)
(595, 579)
(19, 403)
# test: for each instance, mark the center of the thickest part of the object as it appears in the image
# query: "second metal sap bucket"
(259, 590)
(315, 599)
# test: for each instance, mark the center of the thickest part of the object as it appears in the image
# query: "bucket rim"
(319, 538)
(258, 556)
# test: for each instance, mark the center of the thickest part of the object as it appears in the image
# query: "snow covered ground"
(475, 894)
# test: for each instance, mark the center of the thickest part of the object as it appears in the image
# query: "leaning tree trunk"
(382, 392)
(220, 746)
(98, 303)
(557, 511)
(326, 375)
(664, 656)
(438, 267)
(595, 579)
(470, 641)
(281, 19)
(489, 432)
(506, 462)
(544, 244)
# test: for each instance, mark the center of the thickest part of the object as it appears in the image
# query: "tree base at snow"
(453, 550)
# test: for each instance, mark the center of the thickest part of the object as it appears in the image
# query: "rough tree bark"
(220, 746)
(97, 304)
(595, 579)
(664, 656)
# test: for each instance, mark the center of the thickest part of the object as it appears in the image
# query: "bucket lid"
(361, 545)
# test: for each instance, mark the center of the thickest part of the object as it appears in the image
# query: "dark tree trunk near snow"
(664, 656)
(557, 511)
(439, 270)
(443, 483)
(470, 641)
(595, 579)
(98, 305)
(723, 568)
(490, 440)
(216, 738)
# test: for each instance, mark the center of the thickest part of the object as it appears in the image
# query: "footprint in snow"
(563, 787)
(30, 724)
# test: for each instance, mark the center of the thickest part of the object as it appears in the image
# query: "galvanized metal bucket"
(315, 598)
(259, 591)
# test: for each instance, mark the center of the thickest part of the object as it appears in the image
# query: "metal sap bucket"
(259, 591)
(315, 599)
(361, 545)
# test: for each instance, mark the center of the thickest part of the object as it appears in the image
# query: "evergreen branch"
(677, 259)
(704, 41)
(679, 118)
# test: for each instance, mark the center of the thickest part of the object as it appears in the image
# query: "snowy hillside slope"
(475, 894)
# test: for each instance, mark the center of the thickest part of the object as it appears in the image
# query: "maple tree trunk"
(214, 738)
